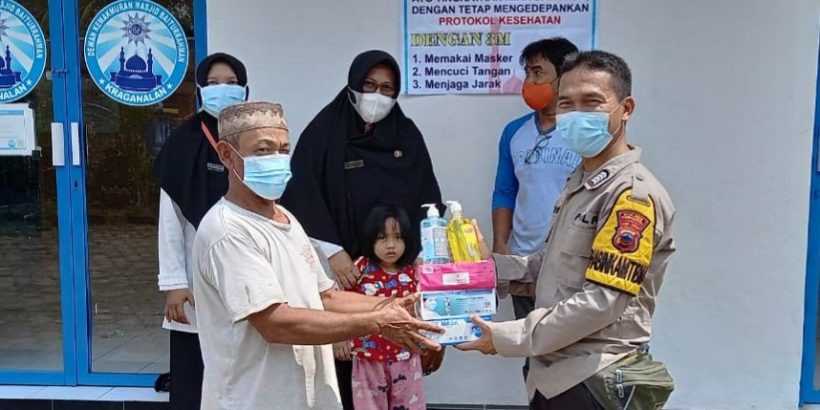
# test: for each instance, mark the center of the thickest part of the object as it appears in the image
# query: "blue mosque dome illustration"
(136, 74)
(8, 77)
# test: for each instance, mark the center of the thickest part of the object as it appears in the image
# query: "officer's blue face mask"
(585, 132)
(266, 175)
(218, 96)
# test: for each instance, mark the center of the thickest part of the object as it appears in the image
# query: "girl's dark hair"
(374, 226)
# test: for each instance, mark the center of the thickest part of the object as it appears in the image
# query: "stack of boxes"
(451, 293)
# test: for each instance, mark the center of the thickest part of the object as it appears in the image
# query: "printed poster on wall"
(16, 130)
(22, 51)
(136, 52)
(473, 46)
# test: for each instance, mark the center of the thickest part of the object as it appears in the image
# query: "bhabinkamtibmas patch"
(622, 249)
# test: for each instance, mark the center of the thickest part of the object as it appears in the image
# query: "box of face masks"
(457, 276)
(457, 331)
(457, 304)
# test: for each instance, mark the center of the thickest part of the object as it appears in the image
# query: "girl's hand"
(341, 351)
(431, 360)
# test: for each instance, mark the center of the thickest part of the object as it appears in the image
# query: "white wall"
(725, 93)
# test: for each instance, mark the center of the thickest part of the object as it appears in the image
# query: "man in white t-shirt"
(267, 311)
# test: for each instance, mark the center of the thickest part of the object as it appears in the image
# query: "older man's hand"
(409, 303)
(397, 325)
(485, 343)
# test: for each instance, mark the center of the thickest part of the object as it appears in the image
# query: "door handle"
(57, 144)
(75, 144)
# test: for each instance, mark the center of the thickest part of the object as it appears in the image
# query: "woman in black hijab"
(191, 179)
(360, 150)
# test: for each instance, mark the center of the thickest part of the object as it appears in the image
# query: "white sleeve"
(171, 241)
(329, 249)
(326, 279)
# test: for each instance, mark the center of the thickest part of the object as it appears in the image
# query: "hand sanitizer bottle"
(434, 248)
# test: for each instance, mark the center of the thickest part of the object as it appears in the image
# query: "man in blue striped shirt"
(533, 166)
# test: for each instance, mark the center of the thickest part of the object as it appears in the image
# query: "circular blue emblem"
(136, 52)
(22, 51)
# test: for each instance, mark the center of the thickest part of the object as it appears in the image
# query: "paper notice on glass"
(16, 130)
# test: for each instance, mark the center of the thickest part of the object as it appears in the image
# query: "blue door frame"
(59, 69)
(66, 59)
(808, 392)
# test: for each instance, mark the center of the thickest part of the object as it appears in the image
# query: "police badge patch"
(622, 249)
(628, 231)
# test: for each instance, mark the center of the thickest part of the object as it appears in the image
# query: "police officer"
(604, 262)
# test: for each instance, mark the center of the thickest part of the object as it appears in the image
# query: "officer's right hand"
(485, 343)
(486, 253)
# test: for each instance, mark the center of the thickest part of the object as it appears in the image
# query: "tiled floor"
(126, 394)
(126, 306)
(82, 393)
(32, 397)
(30, 323)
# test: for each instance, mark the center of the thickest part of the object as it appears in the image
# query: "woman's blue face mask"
(218, 96)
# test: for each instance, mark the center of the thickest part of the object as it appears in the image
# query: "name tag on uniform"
(585, 220)
(215, 167)
(359, 163)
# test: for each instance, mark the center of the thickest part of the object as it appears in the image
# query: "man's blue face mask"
(266, 175)
(585, 132)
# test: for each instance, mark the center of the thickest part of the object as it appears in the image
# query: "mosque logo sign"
(136, 52)
(22, 51)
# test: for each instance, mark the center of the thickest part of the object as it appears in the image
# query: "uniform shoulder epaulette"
(640, 188)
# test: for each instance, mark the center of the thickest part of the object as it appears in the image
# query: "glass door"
(129, 58)
(36, 317)
(79, 302)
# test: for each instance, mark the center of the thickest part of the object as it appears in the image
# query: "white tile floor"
(134, 394)
(71, 393)
(82, 393)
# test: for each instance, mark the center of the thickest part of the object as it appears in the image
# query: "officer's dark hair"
(597, 60)
(554, 50)
(375, 226)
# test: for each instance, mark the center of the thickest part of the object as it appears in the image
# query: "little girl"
(386, 376)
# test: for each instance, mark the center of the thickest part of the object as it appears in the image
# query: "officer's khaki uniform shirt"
(606, 254)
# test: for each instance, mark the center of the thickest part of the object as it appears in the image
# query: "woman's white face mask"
(372, 107)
